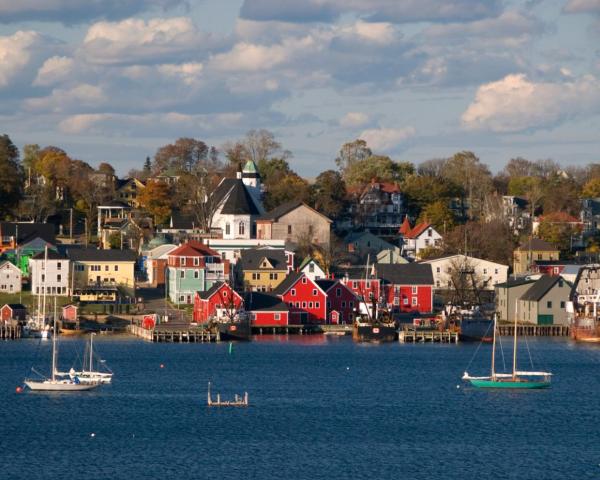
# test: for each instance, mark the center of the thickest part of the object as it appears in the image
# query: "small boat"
(518, 379)
(91, 375)
(235, 327)
(56, 383)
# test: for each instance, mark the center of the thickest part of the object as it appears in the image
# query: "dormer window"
(182, 261)
(304, 280)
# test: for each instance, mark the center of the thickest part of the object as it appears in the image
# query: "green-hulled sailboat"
(518, 379)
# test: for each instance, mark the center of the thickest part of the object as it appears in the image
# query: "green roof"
(250, 167)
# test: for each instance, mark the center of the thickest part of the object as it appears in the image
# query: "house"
(590, 215)
(365, 243)
(379, 208)
(156, 264)
(51, 274)
(181, 224)
(306, 300)
(21, 255)
(407, 288)
(237, 205)
(507, 296)
(127, 191)
(565, 268)
(341, 301)
(311, 268)
(103, 276)
(11, 278)
(515, 212)
(366, 290)
(296, 223)
(69, 313)
(422, 236)
(266, 309)
(587, 284)
(193, 267)
(261, 269)
(484, 273)
(390, 255)
(231, 249)
(544, 303)
(14, 234)
(531, 251)
(220, 300)
(13, 311)
(113, 217)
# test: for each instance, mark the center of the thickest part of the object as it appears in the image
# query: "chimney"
(238, 175)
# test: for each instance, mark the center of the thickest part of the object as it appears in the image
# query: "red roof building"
(219, 300)
(306, 300)
(341, 301)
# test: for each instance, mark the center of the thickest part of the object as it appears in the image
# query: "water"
(320, 409)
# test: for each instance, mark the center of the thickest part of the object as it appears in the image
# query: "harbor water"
(320, 408)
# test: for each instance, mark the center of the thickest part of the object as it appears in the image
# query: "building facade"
(261, 270)
(52, 275)
(485, 274)
(10, 278)
(531, 251)
(408, 287)
(306, 301)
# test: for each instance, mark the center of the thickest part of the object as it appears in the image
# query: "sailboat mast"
(44, 285)
(91, 350)
(514, 372)
(494, 349)
(54, 343)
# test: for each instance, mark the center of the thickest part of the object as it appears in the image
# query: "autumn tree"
(439, 215)
(352, 152)
(328, 193)
(11, 175)
(183, 156)
(420, 191)
(559, 228)
(156, 200)
(106, 168)
(591, 189)
(378, 167)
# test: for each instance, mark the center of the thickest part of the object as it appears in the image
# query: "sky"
(113, 80)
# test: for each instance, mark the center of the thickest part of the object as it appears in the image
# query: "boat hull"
(240, 331)
(59, 386)
(504, 384)
(374, 333)
(476, 330)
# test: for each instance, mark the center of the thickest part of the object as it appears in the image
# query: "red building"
(407, 287)
(266, 310)
(219, 296)
(69, 313)
(365, 289)
(13, 311)
(341, 301)
(306, 300)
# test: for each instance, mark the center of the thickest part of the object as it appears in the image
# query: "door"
(545, 320)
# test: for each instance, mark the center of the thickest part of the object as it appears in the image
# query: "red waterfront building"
(219, 296)
(266, 309)
(341, 301)
(306, 300)
(407, 287)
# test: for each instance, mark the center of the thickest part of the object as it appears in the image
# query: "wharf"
(174, 334)
(287, 329)
(535, 330)
(412, 335)
(10, 332)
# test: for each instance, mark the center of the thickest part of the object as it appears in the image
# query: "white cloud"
(515, 103)
(354, 119)
(54, 70)
(376, 32)
(386, 139)
(137, 41)
(15, 54)
(582, 6)
(63, 100)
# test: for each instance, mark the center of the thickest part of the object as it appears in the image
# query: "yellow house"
(128, 191)
(531, 251)
(263, 269)
(97, 275)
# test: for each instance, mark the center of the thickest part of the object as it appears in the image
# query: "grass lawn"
(30, 301)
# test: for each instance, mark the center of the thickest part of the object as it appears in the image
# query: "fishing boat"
(57, 383)
(88, 374)
(472, 323)
(235, 327)
(517, 379)
(583, 309)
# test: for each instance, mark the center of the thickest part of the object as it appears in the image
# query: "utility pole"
(70, 224)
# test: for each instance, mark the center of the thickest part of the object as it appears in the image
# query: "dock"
(10, 332)
(238, 400)
(174, 334)
(412, 335)
(535, 330)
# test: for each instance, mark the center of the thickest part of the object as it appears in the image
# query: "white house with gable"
(51, 275)
(486, 273)
(10, 278)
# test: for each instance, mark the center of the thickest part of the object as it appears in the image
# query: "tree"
(432, 168)
(591, 189)
(106, 168)
(519, 167)
(351, 153)
(156, 200)
(11, 175)
(559, 228)
(379, 167)
(421, 191)
(185, 155)
(328, 193)
(439, 215)
(147, 170)
(281, 183)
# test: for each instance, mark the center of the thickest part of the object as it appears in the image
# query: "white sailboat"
(55, 383)
(90, 375)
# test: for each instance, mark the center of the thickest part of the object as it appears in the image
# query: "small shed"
(13, 311)
(69, 313)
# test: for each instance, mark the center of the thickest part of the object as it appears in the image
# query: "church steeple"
(251, 179)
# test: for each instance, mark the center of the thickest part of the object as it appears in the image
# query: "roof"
(260, 301)
(27, 230)
(194, 249)
(250, 168)
(287, 283)
(306, 261)
(236, 198)
(515, 282)
(286, 208)
(326, 283)
(15, 306)
(52, 255)
(541, 287)
(405, 228)
(6, 262)
(214, 289)
(406, 273)
(418, 230)
(251, 258)
(114, 204)
(160, 251)
(354, 236)
(93, 254)
(180, 221)
(538, 245)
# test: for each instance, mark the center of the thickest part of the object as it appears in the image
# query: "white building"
(53, 276)
(485, 273)
(10, 278)
(421, 237)
(231, 249)
(312, 269)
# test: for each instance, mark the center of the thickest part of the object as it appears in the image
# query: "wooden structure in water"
(238, 400)
(535, 330)
(10, 332)
(413, 335)
(175, 334)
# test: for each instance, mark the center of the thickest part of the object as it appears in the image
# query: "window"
(227, 229)
(414, 290)
(116, 268)
(289, 230)
(196, 261)
(438, 269)
(106, 268)
(562, 304)
(182, 298)
(273, 276)
(43, 277)
(297, 304)
(437, 283)
(426, 242)
(303, 304)
(310, 230)
(549, 304)
(495, 271)
(277, 316)
(225, 294)
(311, 267)
(414, 301)
(314, 292)
(242, 228)
(354, 284)
(293, 292)
(397, 301)
(196, 274)
(485, 271)
(182, 261)
(79, 268)
(304, 281)
(59, 278)
(351, 304)
(343, 304)
(368, 284)
(310, 304)
(182, 274)
(317, 304)
(58, 265)
(256, 276)
(405, 301)
(338, 292)
(539, 256)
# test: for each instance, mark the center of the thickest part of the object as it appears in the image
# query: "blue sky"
(113, 80)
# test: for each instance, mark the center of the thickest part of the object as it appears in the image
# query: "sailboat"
(90, 375)
(56, 383)
(518, 379)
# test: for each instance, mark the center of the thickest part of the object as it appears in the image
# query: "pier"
(535, 330)
(174, 334)
(10, 332)
(411, 335)
(238, 400)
